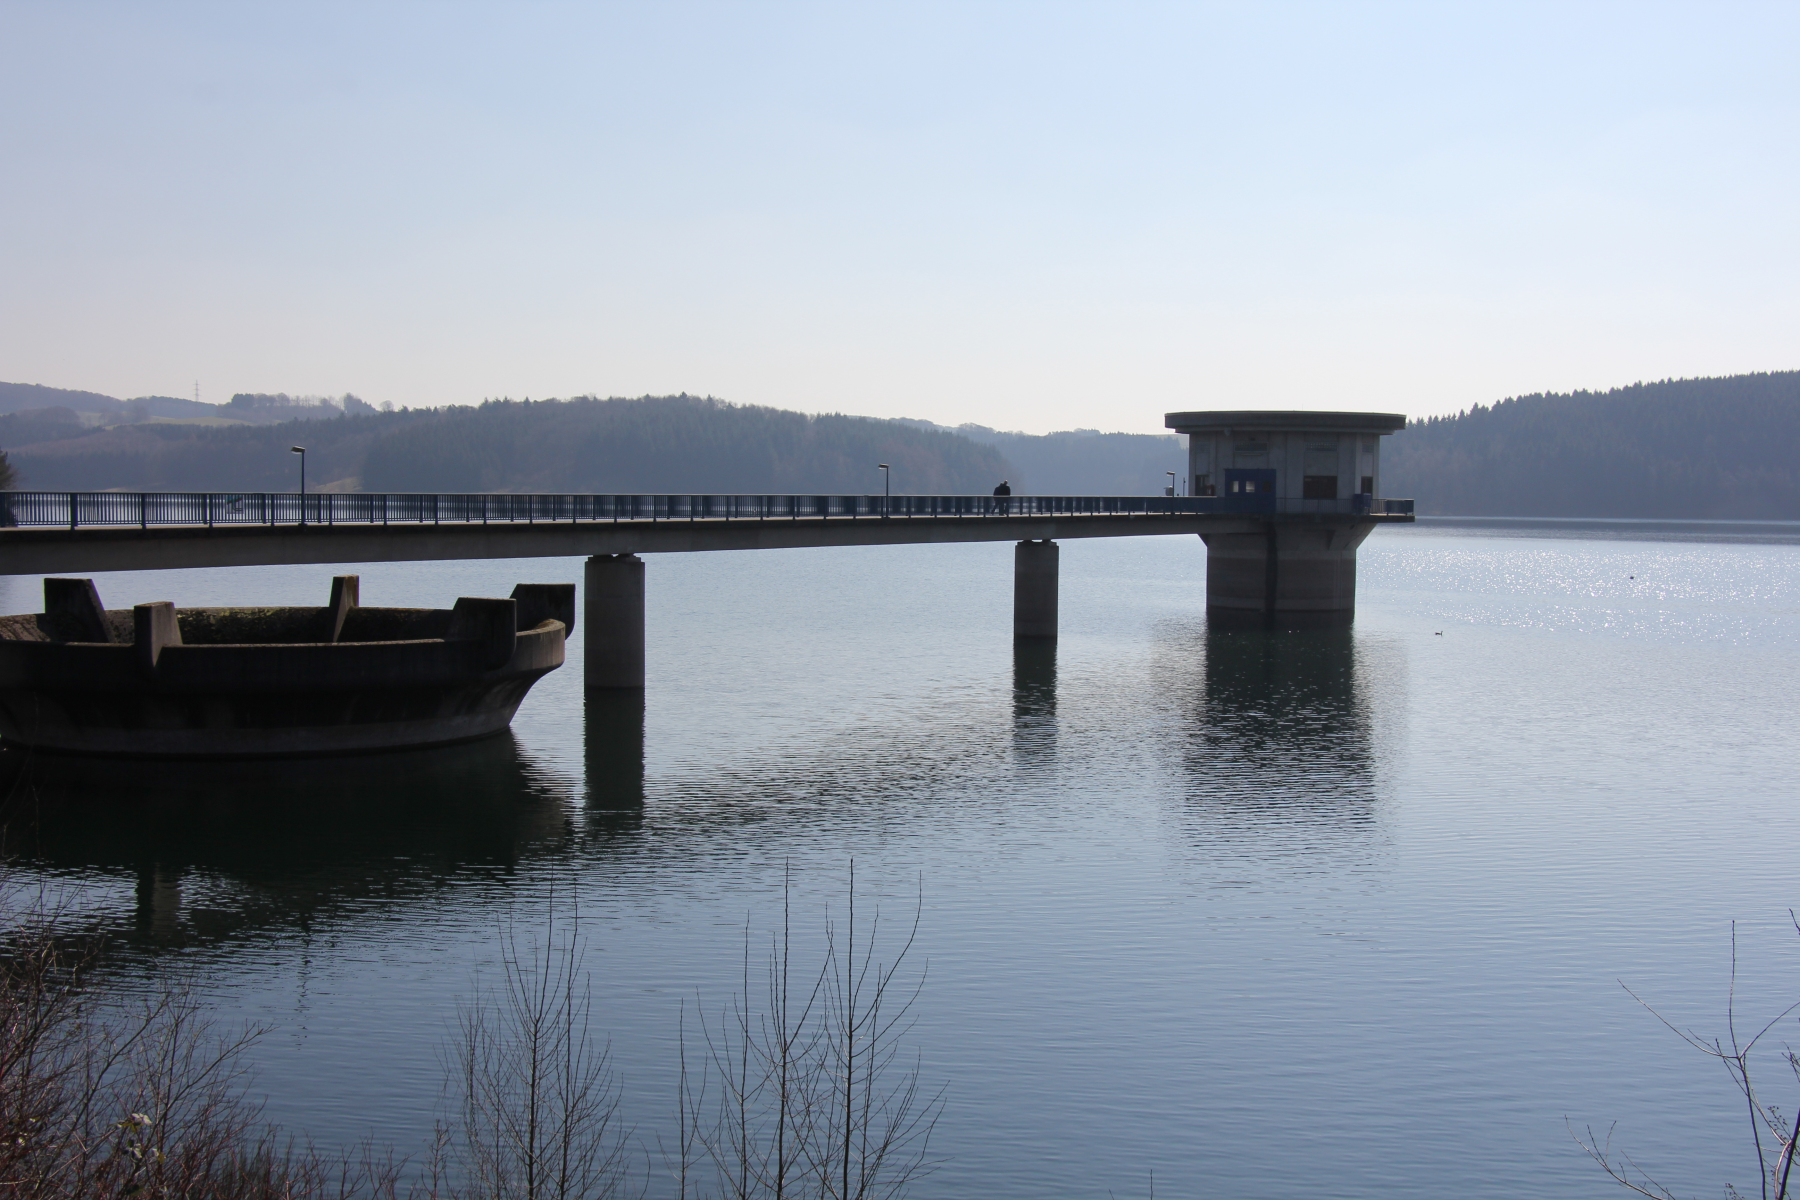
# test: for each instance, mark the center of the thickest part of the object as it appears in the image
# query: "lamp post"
(887, 489)
(301, 451)
(1171, 476)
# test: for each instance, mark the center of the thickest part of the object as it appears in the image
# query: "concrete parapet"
(1034, 589)
(346, 594)
(491, 624)
(613, 621)
(540, 602)
(74, 606)
(153, 628)
(1285, 567)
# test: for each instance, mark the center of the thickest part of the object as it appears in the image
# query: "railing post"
(74, 513)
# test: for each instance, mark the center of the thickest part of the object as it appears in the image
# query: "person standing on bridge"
(1003, 491)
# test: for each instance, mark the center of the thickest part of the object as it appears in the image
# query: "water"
(1335, 913)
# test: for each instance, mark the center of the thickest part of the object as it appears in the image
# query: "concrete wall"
(1285, 567)
(153, 693)
(1351, 456)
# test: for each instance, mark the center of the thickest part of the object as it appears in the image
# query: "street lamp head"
(297, 449)
(881, 466)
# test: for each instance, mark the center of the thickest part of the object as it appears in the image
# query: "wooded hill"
(668, 444)
(1695, 448)
(653, 444)
(1081, 462)
(1723, 448)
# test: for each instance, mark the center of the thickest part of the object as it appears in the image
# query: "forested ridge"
(1711, 448)
(668, 444)
(1698, 448)
(650, 444)
(1081, 462)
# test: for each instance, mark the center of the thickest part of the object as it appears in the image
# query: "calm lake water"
(1331, 913)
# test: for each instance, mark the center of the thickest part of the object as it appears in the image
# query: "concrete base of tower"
(1289, 569)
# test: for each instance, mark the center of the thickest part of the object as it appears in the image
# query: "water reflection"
(219, 848)
(1267, 734)
(1034, 703)
(613, 750)
(1279, 712)
(1278, 759)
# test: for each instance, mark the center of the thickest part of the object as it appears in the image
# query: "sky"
(1031, 216)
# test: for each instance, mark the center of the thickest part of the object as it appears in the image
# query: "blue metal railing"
(74, 510)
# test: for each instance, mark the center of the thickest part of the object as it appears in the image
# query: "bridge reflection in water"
(1271, 736)
(284, 848)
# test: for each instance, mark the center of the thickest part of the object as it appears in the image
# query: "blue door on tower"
(1250, 490)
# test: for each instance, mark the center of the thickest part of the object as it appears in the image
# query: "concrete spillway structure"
(155, 680)
(1303, 485)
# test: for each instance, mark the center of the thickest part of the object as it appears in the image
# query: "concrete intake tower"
(1304, 485)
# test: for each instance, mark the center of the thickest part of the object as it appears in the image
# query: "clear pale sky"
(1034, 216)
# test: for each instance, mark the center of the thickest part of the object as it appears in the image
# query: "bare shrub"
(809, 1096)
(102, 1097)
(106, 1096)
(1773, 1135)
(805, 1095)
(538, 1109)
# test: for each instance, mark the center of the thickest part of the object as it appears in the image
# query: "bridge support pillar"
(1034, 590)
(1304, 569)
(613, 621)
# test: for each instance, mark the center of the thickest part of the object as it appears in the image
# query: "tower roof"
(1248, 420)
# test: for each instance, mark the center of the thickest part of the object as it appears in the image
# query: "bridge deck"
(112, 531)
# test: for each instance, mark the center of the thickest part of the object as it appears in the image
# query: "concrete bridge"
(1281, 543)
(1307, 563)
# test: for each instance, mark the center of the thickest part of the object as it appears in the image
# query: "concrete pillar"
(1034, 589)
(613, 621)
(1285, 568)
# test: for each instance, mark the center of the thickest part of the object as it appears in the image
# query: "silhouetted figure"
(1005, 489)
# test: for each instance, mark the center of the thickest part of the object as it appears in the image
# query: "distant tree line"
(652, 444)
(1697, 448)
(1679, 448)
(348, 402)
(669, 444)
(1083, 462)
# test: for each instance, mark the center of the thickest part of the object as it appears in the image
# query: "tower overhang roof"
(1284, 421)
